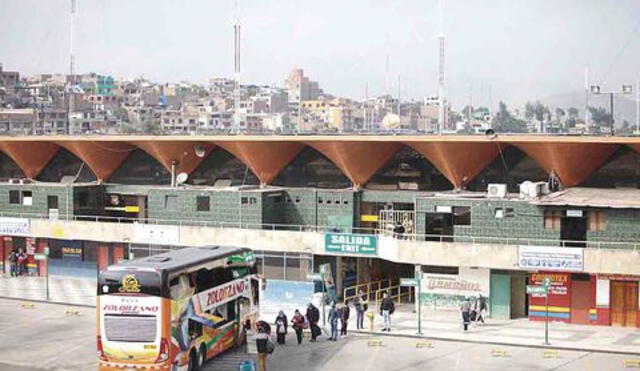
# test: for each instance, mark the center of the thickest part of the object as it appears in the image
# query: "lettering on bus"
(224, 293)
(129, 308)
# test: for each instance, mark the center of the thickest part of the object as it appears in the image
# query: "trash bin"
(247, 366)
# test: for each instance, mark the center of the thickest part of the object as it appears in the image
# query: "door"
(518, 297)
(439, 227)
(580, 294)
(500, 295)
(624, 303)
(573, 230)
(630, 304)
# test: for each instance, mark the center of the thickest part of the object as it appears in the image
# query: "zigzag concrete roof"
(458, 158)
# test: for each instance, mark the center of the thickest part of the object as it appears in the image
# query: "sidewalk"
(447, 326)
(62, 289)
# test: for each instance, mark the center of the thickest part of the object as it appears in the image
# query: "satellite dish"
(181, 178)
(200, 151)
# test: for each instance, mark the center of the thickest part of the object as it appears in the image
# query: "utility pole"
(638, 105)
(236, 71)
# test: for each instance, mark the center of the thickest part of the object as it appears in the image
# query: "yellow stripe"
(593, 311)
(542, 308)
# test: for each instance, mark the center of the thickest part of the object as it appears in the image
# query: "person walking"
(333, 321)
(344, 318)
(481, 309)
(465, 309)
(313, 316)
(264, 347)
(22, 262)
(298, 323)
(281, 327)
(386, 310)
(13, 263)
(361, 305)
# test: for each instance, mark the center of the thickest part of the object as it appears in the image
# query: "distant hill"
(624, 106)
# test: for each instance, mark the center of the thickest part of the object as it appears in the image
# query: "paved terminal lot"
(46, 337)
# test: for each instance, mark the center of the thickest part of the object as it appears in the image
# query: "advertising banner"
(14, 226)
(551, 258)
(447, 291)
(354, 244)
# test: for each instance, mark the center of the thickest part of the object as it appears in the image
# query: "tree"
(505, 122)
(600, 116)
(573, 112)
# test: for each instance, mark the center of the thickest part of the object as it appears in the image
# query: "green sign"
(346, 243)
(314, 276)
(539, 290)
(408, 282)
(40, 256)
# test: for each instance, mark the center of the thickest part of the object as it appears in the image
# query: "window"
(244, 200)
(552, 219)
(14, 197)
(253, 201)
(461, 215)
(596, 221)
(52, 202)
(170, 202)
(27, 198)
(202, 203)
(502, 212)
(83, 198)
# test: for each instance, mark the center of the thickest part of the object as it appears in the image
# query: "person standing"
(481, 309)
(313, 316)
(281, 327)
(298, 325)
(22, 262)
(361, 307)
(344, 318)
(13, 263)
(386, 310)
(465, 309)
(333, 321)
(264, 347)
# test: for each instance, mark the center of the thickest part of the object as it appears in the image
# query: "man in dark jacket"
(386, 310)
(344, 318)
(313, 316)
(262, 344)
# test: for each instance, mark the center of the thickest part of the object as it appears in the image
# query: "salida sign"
(345, 243)
(220, 295)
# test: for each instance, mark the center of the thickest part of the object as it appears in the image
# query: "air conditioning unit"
(14, 181)
(530, 189)
(25, 181)
(497, 190)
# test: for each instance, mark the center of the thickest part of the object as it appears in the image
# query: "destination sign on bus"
(222, 294)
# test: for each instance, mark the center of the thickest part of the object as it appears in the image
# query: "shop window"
(552, 219)
(202, 203)
(52, 202)
(14, 197)
(461, 215)
(597, 221)
(170, 202)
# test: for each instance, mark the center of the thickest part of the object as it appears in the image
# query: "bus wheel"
(203, 354)
(194, 361)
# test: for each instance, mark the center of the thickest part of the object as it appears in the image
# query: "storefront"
(617, 300)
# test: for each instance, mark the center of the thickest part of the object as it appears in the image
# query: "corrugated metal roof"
(616, 198)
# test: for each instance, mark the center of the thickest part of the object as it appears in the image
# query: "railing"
(322, 229)
(369, 288)
(395, 292)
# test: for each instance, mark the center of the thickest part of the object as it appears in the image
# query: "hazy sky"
(517, 49)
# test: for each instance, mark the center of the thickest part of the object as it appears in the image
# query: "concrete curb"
(48, 302)
(501, 343)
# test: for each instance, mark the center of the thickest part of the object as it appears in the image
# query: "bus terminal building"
(477, 215)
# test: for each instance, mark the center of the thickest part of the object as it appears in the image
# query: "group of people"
(473, 310)
(18, 262)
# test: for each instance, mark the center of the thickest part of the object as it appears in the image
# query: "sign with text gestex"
(346, 243)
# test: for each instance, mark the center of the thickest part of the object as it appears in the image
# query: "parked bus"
(175, 310)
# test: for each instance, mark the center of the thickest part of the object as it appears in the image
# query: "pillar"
(118, 253)
(603, 311)
(41, 265)
(102, 256)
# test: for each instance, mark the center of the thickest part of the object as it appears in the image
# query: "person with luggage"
(313, 316)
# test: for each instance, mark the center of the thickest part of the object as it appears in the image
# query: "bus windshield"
(131, 282)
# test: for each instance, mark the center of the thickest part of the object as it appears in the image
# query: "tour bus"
(173, 311)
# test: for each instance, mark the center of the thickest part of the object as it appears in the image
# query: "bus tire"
(203, 354)
(193, 361)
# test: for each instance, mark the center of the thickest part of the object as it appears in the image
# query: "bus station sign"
(347, 243)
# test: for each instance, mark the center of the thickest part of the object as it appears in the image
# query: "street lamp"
(626, 89)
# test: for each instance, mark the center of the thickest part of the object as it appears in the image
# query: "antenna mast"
(72, 67)
(441, 81)
(236, 71)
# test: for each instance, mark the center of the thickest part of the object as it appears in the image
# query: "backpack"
(270, 347)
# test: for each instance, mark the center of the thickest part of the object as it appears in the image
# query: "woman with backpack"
(298, 325)
(265, 347)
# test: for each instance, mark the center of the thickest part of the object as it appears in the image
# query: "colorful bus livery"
(175, 310)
